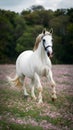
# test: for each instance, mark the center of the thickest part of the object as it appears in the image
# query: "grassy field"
(19, 113)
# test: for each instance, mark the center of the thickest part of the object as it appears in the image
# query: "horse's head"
(47, 42)
(46, 38)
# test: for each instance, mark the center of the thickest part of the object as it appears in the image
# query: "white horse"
(35, 64)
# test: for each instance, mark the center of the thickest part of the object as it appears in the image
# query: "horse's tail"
(15, 81)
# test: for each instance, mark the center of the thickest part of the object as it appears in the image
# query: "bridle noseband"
(46, 46)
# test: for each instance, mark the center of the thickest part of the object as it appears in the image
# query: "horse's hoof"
(26, 96)
(54, 99)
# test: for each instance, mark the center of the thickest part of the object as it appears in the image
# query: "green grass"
(12, 126)
(13, 105)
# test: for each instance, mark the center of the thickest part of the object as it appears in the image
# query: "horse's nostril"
(48, 53)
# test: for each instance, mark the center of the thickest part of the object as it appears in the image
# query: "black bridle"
(45, 47)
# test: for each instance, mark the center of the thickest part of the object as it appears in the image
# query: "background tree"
(19, 31)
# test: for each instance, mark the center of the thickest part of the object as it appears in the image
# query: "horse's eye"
(43, 40)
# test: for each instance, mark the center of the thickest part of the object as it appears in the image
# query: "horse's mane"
(38, 39)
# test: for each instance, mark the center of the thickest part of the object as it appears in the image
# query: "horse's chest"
(39, 67)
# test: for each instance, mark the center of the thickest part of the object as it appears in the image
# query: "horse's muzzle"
(49, 54)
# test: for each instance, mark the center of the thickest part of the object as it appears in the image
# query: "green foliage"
(27, 40)
(19, 31)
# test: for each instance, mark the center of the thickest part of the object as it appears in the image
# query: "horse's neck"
(41, 52)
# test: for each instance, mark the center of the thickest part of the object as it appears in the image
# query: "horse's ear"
(51, 30)
(44, 30)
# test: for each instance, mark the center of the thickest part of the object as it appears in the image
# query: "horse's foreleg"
(39, 87)
(32, 90)
(54, 97)
(32, 93)
(52, 82)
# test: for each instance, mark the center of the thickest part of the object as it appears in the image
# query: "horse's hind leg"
(23, 84)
